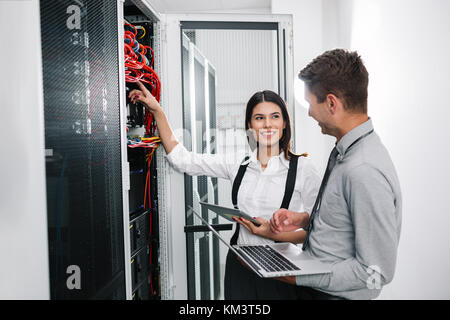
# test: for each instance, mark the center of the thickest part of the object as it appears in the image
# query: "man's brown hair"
(339, 72)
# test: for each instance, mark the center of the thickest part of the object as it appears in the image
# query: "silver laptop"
(274, 260)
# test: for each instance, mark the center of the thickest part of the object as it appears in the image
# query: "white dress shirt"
(261, 192)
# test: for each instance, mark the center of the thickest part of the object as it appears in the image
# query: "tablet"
(229, 213)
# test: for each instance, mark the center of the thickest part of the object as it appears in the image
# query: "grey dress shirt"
(357, 227)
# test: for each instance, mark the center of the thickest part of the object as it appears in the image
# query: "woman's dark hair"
(270, 96)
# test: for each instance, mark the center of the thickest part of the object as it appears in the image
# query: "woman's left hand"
(263, 230)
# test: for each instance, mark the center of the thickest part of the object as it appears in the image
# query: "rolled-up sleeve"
(372, 205)
(196, 164)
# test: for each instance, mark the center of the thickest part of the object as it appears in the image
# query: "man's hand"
(284, 220)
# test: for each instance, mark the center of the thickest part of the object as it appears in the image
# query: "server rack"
(143, 194)
(102, 196)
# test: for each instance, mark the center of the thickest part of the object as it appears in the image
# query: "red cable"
(136, 70)
(151, 219)
(148, 186)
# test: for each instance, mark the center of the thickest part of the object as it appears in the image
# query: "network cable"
(139, 67)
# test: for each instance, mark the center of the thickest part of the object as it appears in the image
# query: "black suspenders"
(290, 182)
(237, 182)
(288, 190)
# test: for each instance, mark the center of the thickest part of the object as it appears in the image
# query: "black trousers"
(306, 293)
(243, 284)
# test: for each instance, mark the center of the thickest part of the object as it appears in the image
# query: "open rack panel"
(140, 36)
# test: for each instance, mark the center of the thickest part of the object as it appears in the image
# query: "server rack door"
(82, 131)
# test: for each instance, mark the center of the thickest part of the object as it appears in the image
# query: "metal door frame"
(173, 97)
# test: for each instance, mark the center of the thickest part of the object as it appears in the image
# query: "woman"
(262, 184)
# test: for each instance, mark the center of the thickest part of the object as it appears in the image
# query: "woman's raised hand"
(145, 97)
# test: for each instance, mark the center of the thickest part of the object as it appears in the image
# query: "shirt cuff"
(319, 281)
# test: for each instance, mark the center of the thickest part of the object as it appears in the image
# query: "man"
(355, 225)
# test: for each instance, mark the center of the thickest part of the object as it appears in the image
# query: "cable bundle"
(137, 65)
(152, 142)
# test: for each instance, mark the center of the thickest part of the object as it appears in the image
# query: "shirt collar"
(351, 136)
(283, 159)
(253, 156)
(254, 159)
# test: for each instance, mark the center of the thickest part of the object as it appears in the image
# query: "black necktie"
(330, 166)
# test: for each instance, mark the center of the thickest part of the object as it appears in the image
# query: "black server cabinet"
(83, 143)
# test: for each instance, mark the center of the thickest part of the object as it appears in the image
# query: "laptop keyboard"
(269, 259)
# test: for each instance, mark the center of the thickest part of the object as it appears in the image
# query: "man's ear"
(332, 103)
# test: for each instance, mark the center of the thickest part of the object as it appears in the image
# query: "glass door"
(223, 64)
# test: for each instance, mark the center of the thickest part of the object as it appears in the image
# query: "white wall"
(406, 48)
(24, 270)
(307, 26)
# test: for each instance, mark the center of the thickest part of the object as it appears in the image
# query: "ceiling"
(165, 6)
